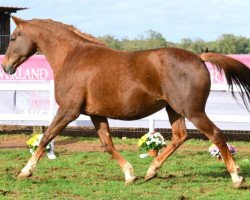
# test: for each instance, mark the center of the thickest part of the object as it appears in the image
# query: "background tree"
(111, 41)
(227, 43)
(231, 44)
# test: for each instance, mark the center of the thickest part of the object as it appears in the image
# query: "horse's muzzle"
(8, 69)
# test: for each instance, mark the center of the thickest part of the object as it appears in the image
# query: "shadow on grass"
(244, 187)
(221, 171)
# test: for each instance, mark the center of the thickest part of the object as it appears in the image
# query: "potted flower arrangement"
(215, 152)
(152, 142)
(34, 141)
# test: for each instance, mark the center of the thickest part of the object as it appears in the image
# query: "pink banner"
(38, 68)
(216, 77)
(35, 68)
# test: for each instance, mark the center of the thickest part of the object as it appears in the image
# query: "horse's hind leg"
(102, 127)
(61, 120)
(179, 135)
(204, 124)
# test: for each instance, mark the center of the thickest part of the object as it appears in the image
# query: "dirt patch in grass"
(14, 141)
(91, 147)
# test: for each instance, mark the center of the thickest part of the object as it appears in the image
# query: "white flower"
(152, 140)
(157, 134)
(151, 137)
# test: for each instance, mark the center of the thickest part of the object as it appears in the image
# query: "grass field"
(190, 173)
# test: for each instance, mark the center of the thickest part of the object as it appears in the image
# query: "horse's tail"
(236, 73)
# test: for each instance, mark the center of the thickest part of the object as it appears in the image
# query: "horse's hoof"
(131, 181)
(24, 175)
(238, 183)
(150, 176)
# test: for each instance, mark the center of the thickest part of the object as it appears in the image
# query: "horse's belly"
(142, 112)
(130, 111)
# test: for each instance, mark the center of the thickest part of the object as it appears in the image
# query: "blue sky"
(175, 19)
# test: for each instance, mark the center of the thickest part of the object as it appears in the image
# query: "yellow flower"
(32, 140)
(142, 140)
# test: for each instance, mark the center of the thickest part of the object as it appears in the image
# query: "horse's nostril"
(3, 66)
(7, 69)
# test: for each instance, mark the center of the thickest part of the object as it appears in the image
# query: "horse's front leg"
(63, 117)
(102, 127)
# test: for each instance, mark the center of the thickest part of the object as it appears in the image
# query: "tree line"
(227, 43)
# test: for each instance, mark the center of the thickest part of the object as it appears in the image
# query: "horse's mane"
(73, 30)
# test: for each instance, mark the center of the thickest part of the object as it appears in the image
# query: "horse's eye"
(12, 39)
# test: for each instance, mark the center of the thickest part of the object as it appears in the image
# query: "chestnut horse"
(100, 82)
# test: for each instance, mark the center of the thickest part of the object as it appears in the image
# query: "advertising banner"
(34, 69)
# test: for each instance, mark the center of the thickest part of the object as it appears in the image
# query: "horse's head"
(20, 48)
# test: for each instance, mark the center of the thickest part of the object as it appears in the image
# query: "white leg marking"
(129, 173)
(237, 180)
(236, 177)
(151, 173)
(30, 166)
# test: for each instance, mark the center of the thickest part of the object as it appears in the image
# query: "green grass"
(190, 173)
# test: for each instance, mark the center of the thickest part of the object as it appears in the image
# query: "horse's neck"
(54, 50)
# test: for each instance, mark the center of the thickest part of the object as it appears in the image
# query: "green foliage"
(195, 46)
(190, 173)
(152, 40)
(111, 41)
(227, 43)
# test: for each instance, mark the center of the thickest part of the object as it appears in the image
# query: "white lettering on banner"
(44, 74)
(26, 74)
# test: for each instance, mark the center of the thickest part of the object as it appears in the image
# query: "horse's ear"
(17, 20)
